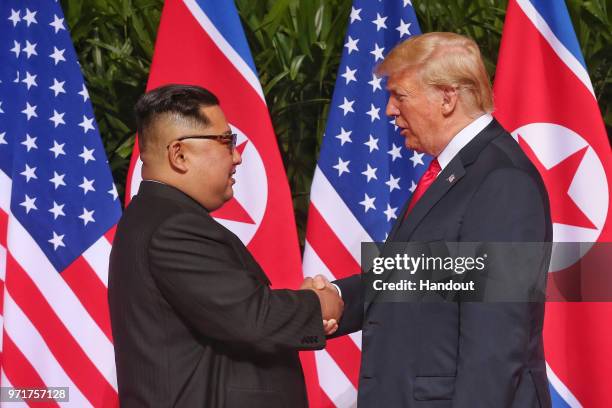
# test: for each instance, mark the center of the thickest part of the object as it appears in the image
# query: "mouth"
(232, 179)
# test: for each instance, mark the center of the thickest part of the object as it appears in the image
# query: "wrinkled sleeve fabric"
(205, 280)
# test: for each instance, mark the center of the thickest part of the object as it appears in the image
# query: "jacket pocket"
(434, 388)
(252, 398)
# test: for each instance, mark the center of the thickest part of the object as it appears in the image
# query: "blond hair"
(444, 60)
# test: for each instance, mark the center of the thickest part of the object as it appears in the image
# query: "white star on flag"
(417, 158)
(413, 186)
(342, 166)
(16, 49)
(29, 80)
(375, 82)
(87, 124)
(395, 152)
(377, 52)
(57, 23)
(351, 45)
(403, 28)
(57, 241)
(57, 210)
(370, 173)
(84, 93)
(87, 155)
(57, 87)
(58, 55)
(29, 142)
(344, 136)
(87, 185)
(30, 17)
(29, 173)
(30, 111)
(30, 49)
(368, 203)
(390, 212)
(372, 143)
(58, 149)
(373, 113)
(347, 106)
(355, 15)
(393, 183)
(87, 216)
(349, 75)
(14, 17)
(113, 192)
(58, 180)
(380, 22)
(29, 204)
(57, 118)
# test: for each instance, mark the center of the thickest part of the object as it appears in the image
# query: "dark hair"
(183, 101)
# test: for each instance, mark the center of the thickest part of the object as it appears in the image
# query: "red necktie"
(428, 177)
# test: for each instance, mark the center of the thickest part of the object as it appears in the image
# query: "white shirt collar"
(462, 138)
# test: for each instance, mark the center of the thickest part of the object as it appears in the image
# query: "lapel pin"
(451, 178)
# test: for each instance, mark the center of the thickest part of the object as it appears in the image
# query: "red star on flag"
(558, 180)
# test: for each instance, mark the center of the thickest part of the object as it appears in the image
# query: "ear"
(449, 100)
(176, 157)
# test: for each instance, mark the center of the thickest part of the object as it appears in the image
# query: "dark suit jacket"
(460, 354)
(194, 321)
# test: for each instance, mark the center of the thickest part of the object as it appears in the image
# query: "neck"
(449, 130)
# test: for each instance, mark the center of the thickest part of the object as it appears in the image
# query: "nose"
(236, 157)
(392, 109)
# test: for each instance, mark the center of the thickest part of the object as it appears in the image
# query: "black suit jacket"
(460, 354)
(194, 321)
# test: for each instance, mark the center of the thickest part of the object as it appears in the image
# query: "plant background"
(296, 46)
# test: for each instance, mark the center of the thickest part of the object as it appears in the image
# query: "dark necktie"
(428, 178)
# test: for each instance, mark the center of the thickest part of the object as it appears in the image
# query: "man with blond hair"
(479, 187)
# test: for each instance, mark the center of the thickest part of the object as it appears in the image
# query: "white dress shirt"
(462, 138)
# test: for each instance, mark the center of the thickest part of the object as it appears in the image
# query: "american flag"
(58, 209)
(364, 176)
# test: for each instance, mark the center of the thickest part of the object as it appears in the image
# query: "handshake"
(331, 303)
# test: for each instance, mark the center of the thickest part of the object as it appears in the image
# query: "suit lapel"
(404, 227)
(445, 180)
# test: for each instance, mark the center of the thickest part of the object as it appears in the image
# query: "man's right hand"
(332, 305)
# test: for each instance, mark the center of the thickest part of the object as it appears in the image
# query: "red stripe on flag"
(328, 247)
(347, 356)
(110, 234)
(3, 227)
(92, 293)
(309, 368)
(19, 371)
(64, 347)
(325, 401)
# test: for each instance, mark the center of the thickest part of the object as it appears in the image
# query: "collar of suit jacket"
(159, 189)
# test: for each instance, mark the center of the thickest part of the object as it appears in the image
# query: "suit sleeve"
(204, 280)
(494, 337)
(352, 295)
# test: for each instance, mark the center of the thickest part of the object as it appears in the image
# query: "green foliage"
(114, 40)
(296, 45)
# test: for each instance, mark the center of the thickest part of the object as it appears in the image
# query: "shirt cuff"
(338, 289)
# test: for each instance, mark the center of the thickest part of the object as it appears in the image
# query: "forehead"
(216, 118)
(404, 80)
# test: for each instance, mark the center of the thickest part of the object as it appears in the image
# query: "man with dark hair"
(195, 323)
